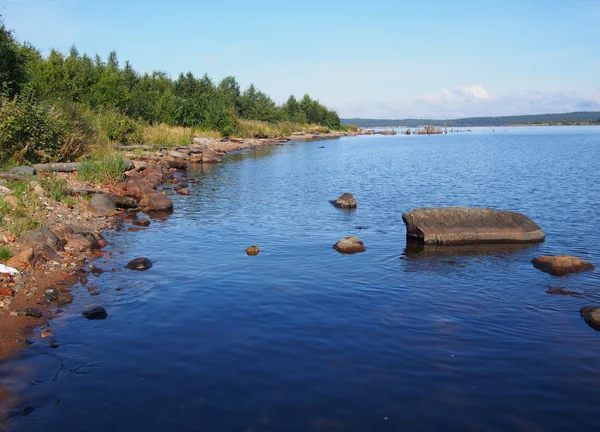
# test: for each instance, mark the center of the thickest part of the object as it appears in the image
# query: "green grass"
(106, 170)
(56, 187)
(28, 213)
(5, 253)
(168, 136)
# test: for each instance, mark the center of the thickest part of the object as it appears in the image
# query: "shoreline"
(29, 288)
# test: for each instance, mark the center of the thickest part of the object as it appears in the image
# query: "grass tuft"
(107, 170)
(5, 253)
(56, 187)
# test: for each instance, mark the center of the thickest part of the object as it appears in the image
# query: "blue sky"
(380, 59)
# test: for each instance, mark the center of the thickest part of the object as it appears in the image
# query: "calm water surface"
(302, 338)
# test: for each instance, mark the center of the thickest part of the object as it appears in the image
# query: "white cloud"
(475, 101)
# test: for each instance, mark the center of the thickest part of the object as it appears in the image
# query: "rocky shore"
(65, 251)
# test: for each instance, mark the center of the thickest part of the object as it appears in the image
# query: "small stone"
(64, 299)
(346, 200)
(96, 313)
(560, 265)
(139, 264)
(349, 245)
(33, 312)
(252, 250)
(183, 191)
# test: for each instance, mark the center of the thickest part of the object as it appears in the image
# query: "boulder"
(139, 264)
(210, 156)
(83, 241)
(560, 265)
(123, 201)
(22, 260)
(252, 250)
(463, 225)
(155, 202)
(349, 245)
(591, 315)
(101, 205)
(96, 313)
(177, 154)
(346, 200)
(23, 170)
(43, 254)
(40, 237)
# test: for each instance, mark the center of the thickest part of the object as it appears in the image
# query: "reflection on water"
(302, 338)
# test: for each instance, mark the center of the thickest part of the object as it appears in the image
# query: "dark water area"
(302, 338)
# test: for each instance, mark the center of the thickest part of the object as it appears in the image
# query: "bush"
(108, 170)
(76, 122)
(28, 133)
(116, 127)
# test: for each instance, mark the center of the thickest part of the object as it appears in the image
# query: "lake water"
(302, 338)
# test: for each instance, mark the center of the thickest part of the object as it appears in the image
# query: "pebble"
(33, 312)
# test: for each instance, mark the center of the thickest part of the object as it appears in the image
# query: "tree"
(12, 71)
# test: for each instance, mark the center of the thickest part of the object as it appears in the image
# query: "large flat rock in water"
(464, 225)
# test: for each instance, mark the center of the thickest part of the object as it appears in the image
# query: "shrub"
(28, 133)
(108, 170)
(116, 127)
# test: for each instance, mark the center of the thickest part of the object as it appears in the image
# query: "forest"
(52, 106)
(573, 118)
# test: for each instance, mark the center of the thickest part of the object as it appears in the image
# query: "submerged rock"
(349, 245)
(96, 313)
(64, 299)
(560, 291)
(464, 225)
(141, 222)
(591, 315)
(346, 200)
(139, 264)
(252, 250)
(560, 265)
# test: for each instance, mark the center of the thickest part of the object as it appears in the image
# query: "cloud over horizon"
(475, 100)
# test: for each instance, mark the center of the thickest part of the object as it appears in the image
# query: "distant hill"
(580, 117)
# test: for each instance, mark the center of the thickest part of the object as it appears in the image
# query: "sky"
(371, 59)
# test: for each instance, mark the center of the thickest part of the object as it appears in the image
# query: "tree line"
(573, 118)
(105, 85)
